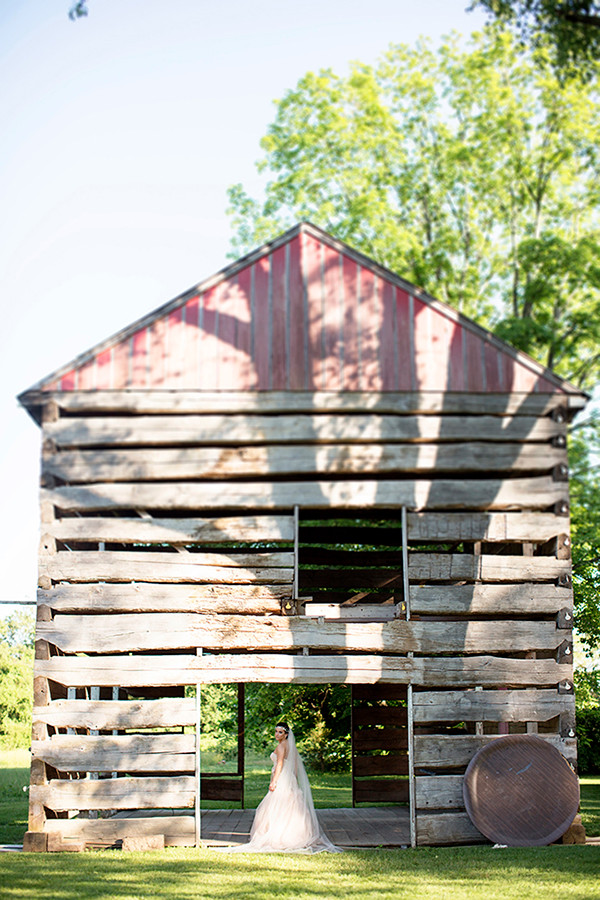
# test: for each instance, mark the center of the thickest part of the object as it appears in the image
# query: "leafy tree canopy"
(16, 679)
(570, 27)
(473, 173)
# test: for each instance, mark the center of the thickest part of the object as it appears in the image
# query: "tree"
(571, 27)
(584, 447)
(16, 680)
(78, 10)
(473, 173)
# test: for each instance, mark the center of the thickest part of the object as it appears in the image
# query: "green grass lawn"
(551, 873)
(429, 873)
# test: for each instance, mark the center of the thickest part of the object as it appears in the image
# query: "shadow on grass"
(428, 873)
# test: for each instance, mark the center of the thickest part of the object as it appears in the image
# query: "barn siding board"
(254, 599)
(217, 462)
(177, 830)
(453, 751)
(187, 531)
(103, 715)
(183, 669)
(489, 599)
(169, 402)
(304, 375)
(288, 429)
(496, 494)
(174, 631)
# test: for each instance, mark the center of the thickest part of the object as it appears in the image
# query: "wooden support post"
(241, 723)
(411, 768)
(405, 580)
(296, 550)
(409, 694)
(198, 773)
(479, 725)
(41, 697)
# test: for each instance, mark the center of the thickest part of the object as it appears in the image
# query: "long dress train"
(285, 820)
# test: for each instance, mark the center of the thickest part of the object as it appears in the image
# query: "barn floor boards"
(368, 827)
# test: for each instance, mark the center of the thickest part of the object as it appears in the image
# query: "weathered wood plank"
(117, 714)
(207, 568)
(464, 566)
(173, 531)
(517, 526)
(490, 706)
(517, 493)
(449, 751)
(298, 459)
(499, 599)
(447, 828)
(178, 830)
(116, 793)
(298, 428)
(177, 402)
(147, 597)
(375, 790)
(380, 765)
(178, 669)
(179, 631)
(385, 738)
(122, 753)
(439, 792)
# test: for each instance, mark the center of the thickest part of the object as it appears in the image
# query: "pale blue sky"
(120, 135)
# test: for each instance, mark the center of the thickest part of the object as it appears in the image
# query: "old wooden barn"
(306, 470)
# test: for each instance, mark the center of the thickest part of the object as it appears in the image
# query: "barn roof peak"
(304, 312)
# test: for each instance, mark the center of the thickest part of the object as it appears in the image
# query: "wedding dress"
(285, 819)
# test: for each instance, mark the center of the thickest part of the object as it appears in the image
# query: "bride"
(285, 819)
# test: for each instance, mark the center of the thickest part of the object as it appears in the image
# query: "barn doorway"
(362, 801)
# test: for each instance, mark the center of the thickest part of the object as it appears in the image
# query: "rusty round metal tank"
(520, 791)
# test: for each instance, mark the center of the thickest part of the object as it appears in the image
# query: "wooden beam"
(116, 793)
(156, 431)
(104, 715)
(439, 792)
(174, 531)
(186, 463)
(178, 830)
(435, 828)
(494, 494)
(490, 527)
(148, 597)
(451, 751)
(185, 402)
(490, 706)
(207, 568)
(463, 566)
(183, 669)
(122, 753)
(489, 599)
(179, 631)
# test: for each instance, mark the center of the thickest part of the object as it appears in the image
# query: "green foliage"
(571, 28)
(587, 688)
(14, 795)
(473, 173)
(78, 10)
(588, 740)
(584, 455)
(587, 699)
(16, 680)
(219, 719)
(318, 714)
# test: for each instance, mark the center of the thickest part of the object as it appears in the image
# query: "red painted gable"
(305, 312)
